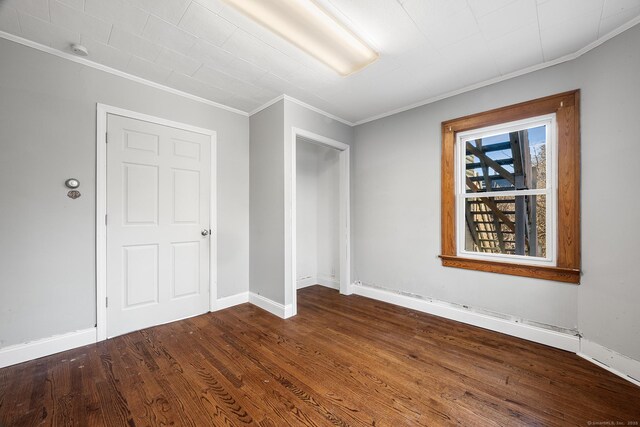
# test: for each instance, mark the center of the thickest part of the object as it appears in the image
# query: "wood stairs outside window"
(497, 224)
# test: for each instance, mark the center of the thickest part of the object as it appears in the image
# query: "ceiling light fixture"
(305, 24)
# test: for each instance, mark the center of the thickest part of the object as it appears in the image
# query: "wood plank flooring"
(342, 361)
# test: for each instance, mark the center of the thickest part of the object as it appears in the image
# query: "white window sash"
(550, 191)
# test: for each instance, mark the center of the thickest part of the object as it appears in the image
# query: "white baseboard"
(307, 281)
(614, 362)
(230, 301)
(540, 335)
(271, 306)
(310, 281)
(328, 282)
(623, 366)
(19, 353)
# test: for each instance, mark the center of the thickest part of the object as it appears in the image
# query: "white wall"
(396, 202)
(306, 210)
(328, 215)
(318, 208)
(48, 134)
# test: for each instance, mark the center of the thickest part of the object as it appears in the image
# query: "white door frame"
(291, 223)
(101, 207)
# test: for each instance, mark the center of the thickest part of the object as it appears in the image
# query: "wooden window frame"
(566, 107)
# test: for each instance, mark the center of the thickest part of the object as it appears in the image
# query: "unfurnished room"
(319, 212)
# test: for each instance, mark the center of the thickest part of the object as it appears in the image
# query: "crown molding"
(266, 105)
(106, 69)
(566, 58)
(302, 104)
(317, 110)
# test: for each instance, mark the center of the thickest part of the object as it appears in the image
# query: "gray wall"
(271, 131)
(396, 205)
(297, 116)
(47, 134)
(266, 276)
(609, 296)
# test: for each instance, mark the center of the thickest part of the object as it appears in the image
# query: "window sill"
(559, 274)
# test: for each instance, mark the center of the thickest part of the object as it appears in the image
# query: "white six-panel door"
(158, 191)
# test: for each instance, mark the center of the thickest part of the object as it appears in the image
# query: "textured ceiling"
(427, 47)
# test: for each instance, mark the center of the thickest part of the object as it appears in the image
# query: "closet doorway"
(320, 226)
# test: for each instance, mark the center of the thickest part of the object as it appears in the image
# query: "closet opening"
(320, 226)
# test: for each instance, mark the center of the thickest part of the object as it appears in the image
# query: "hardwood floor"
(341, 361)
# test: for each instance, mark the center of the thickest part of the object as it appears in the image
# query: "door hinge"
(105, 219)
(106, 302)
(106, 137)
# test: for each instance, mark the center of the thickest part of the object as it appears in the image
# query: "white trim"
(550, 191)
(619, 364)
(614, 362)
(266, 105)
(19, 353)
(561, 340)
(302, 104)
(101, 228)
(108, 109)
(566, 58)
(213, 217)
(308, 281)
(106, 69)
(319, 139)
(311, 281)
(231, 301)
(271, 306)
(290, 208)
(84, 61)
(345, 222)
(102, 112)
(328, 283)
(318, 110)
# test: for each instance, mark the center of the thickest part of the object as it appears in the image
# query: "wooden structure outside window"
(514, 173)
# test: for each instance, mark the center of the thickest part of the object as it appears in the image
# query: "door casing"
(102, 113)
(290, 173)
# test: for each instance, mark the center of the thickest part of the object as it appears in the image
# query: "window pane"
(506, 225)
(510, 161)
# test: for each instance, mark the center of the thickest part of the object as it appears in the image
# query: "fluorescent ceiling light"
(312, 29)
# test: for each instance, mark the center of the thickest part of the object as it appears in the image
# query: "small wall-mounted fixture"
(72, 183)
(73, 194)
(79, 50)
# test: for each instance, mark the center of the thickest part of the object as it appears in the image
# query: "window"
(510, 190)
(505, 192)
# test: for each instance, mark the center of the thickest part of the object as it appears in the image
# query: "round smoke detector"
(79, 50)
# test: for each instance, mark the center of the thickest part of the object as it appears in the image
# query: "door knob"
(205, 232)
